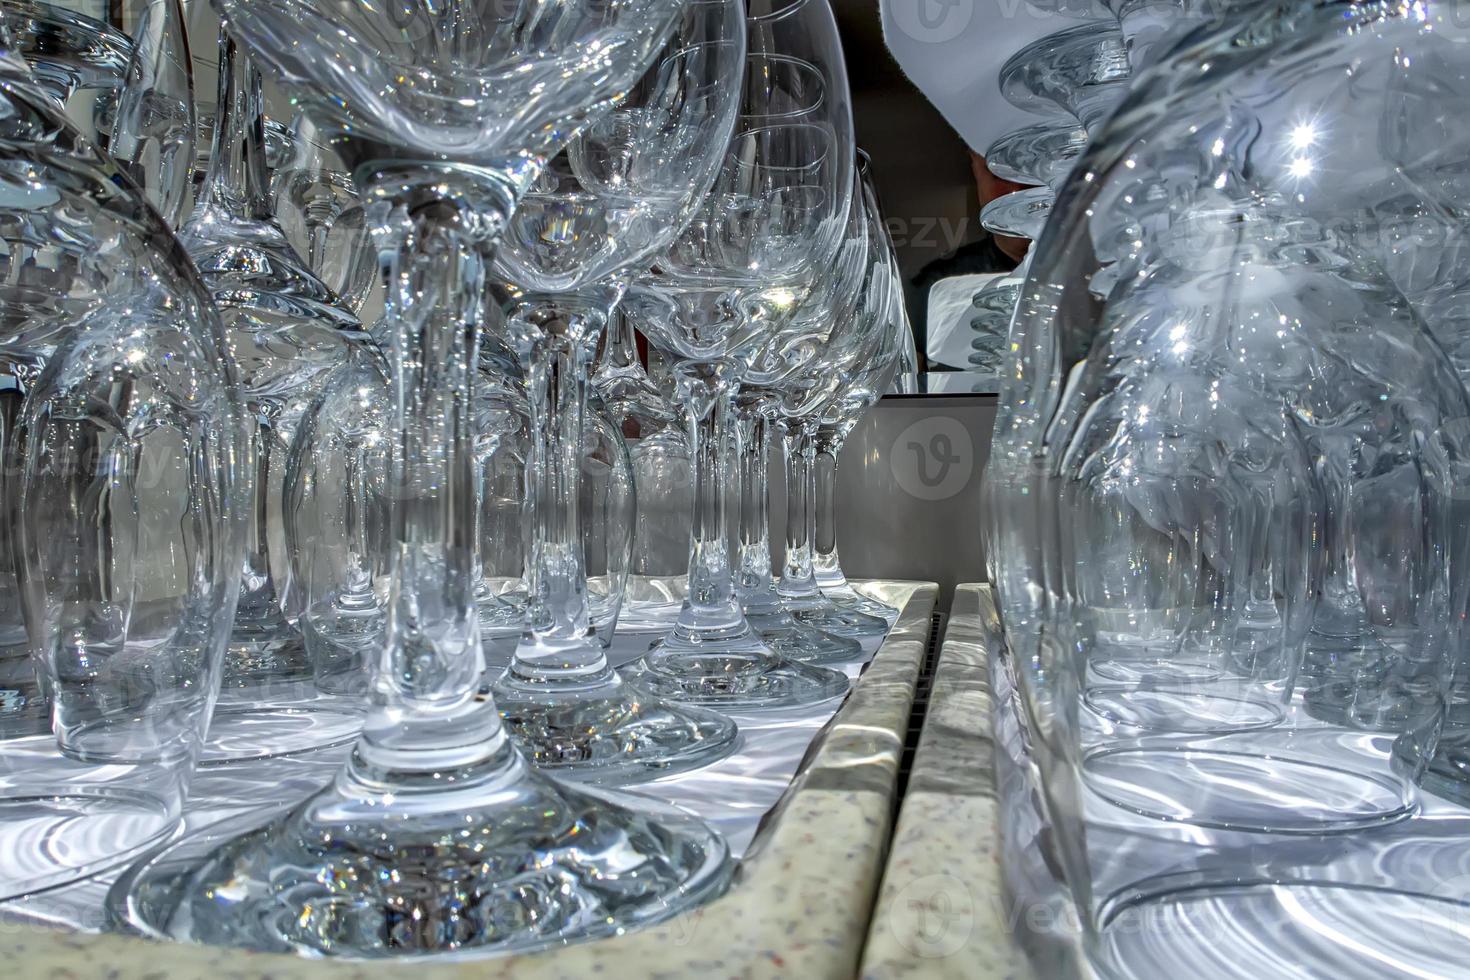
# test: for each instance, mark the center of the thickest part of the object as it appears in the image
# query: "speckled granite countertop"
(942, 908)
(800, 906)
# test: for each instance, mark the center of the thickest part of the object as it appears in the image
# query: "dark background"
(921, 166)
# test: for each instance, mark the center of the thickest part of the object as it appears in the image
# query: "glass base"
(830, 618)
(269, 704)
(1180, 712)
(23, 707)
(649, 616)
(731, 669)
(1246, 791)
(1279, 929)
(265, 652)
(510, 861)
(63, 833)
(854, 601)
(1152, 670)
(800, 642)
(1447, 774)
(1020, 214)
(243, 730)
(609, 731)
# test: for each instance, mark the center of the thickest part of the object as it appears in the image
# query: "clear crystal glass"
(819, 324)
(1082, 72)
(437, 835)
(765, 234)
(869, 376)
(855, 346)
(623, 188)
(663, 474)
(285, 333)
(128, 491)
(318, 207)
(1225, 487)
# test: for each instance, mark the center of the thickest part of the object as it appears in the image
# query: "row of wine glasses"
(1225, 503)
(348, 442)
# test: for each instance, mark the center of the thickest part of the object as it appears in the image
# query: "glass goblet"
(619, 193)
(285, 334)
(819, 322)
(130, 502)
(856, 338)
(1082, 71)
(319, 209)
(769, 228)
(662, 473)
(869, 378)
(437, 835)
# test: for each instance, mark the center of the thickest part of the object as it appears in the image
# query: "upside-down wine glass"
(766, 232)
(285, 333)
(130, 502)
(437, 835)
(619, 193)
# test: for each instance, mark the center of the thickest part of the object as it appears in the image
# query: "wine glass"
(767, 231)
(437, 835)
(318, 207)
(1081, 72)
(821, 319)
(285, 334)
(858, 339)
(619, 192)
(123, 72)
(870, 376)
(130, 501)
(662, 472)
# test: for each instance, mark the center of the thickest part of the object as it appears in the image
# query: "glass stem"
(755, 525)
(237, 185)
(258, 601)
(711, 603)
(427, 713)
(620, 351)
(1339, 584)
(797, 581)
(560, 641)
(825, 562)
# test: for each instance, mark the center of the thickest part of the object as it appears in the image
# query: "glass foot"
(829, 618)
(609, 731)
(732, 669)
(1181, 712)
(269, 704)
(649, 616)
(508, 861)
(798, 641)
(1247, 791)
(244, 730)
(265, 652)
(63, 833)
(1447, 774)
(853, 601)
(1270, 928)
(23, 708)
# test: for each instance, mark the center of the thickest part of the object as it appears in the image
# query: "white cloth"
(951, 305)
(953, 50)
